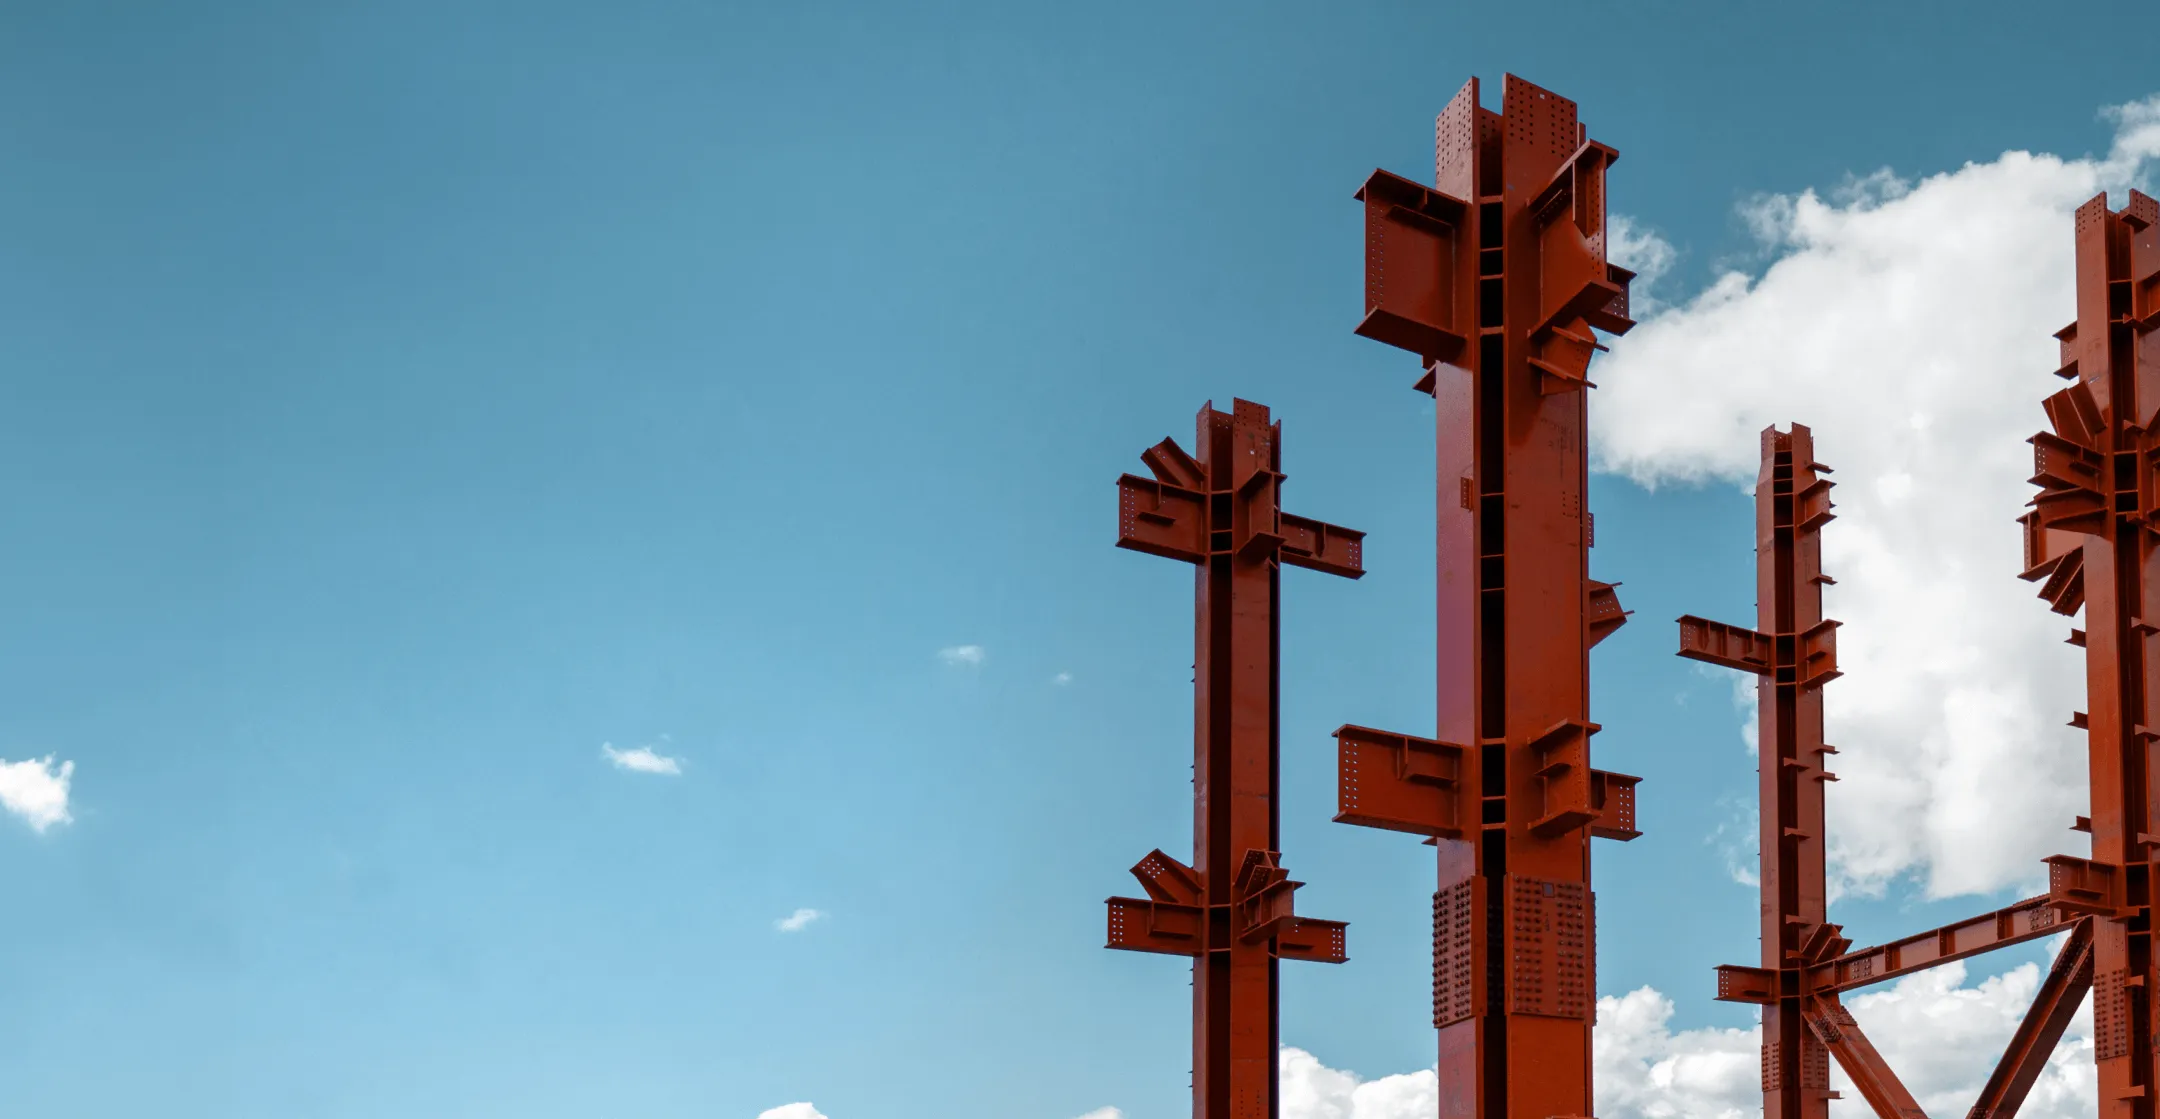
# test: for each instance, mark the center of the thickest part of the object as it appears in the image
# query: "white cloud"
(1311, 1090)
(1940, 1036)
(1104, 1113)
(1062, 679)
(1909, 324)
(641, 760)
(1640, 250)
(970, 656)
(798, 920)
(37, 791)
(1645, 1070)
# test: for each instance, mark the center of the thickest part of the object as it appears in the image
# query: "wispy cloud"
(798, 920)
(970, 656)
(1062, 679)
(642, 759)
(37, 791)
(1642, 251)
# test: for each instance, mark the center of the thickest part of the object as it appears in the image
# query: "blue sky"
(399, 403)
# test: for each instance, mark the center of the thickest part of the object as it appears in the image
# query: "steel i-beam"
(2092, 540)
(1495, 277)
(1793, 652)
(1232, 909)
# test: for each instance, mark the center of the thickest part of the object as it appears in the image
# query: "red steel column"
(1496, 279)
(1232, 909)
(2091, 541)
(1794, 651)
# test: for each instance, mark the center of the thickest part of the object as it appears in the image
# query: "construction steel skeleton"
(2093, 543)
(1806, 960)
(1232, 909)
(1496, 277)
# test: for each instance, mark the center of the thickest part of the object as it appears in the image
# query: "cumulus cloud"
(1941, 1036)
(969, 656)
(1104, 1113)
(642, 759)
(798, 920)
(1311, 1090)
(1062, 679)
(1909, 324)
(1646, 1070)
(36, 790)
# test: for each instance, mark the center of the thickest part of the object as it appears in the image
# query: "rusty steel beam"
(2092, 540)
(1496, 278)
(1232, 910)
(1832, 1025)
(1794, 653)
(2041, 1029)
(2031, 919)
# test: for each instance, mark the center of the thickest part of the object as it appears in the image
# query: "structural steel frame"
(1807, 963)
(1495, 277)
(1232, 910)
(1793, 649)
(2092, 540)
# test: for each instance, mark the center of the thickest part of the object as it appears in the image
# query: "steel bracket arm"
(1401, 782)
(1576, 283)
(1169, 516)
(1162, 519)
(1602, 613)
(1811, 660)
(1174, 918)
(1171, 920)
(2055, 559)
(2085, 886)
(1319, 546)
(1727, 645)
(1263, 911)
(1413, 234)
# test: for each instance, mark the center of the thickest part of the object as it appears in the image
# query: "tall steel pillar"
(1232, 909)
(1495, 277)
(2093, 540)
(1793, 649)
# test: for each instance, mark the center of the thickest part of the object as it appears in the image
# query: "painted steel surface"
(1495, 277)
(1793, 652)
(1231, 910)
(2092, 540)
